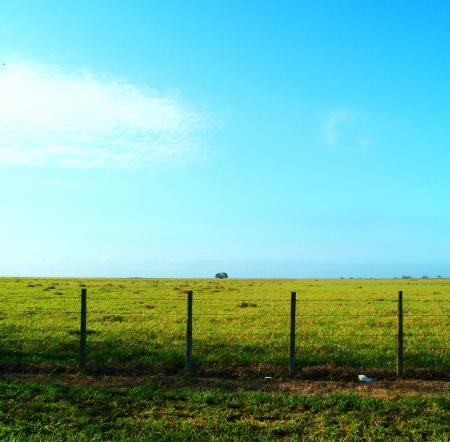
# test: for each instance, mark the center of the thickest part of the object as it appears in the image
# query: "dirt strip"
(385, 389)
(382, 389)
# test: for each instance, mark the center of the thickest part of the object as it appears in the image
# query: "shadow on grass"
(118, 353)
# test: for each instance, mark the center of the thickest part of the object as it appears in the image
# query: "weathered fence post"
(188, 363)
(292, 364)
(83, 329)
(400, 334)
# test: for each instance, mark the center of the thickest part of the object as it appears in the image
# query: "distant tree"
(406, 277)
(439, 276)
(424, 277)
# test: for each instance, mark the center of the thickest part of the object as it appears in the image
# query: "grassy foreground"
(237, 323)
(61, 411)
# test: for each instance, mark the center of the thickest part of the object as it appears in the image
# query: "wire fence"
(197, 331)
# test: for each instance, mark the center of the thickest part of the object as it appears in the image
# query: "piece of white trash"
(364, 378)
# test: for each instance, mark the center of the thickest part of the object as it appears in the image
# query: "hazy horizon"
(253, 270)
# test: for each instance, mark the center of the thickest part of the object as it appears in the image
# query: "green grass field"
(139, 323)
(135, 388)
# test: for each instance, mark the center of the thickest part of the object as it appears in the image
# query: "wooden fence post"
(188, 363)
(400, 334)
(83, 329)
(292, 364)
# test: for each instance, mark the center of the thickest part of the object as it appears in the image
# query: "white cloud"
(346, 130)
(337, 124)
(48, 116)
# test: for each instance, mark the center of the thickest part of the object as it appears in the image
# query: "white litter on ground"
(364, 378)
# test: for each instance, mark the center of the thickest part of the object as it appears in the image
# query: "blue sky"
(266, 139)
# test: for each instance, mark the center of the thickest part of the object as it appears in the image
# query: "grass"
(241, 327)
(61, 411)
(139, 323)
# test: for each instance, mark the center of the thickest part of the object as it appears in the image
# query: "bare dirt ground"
(388, 388)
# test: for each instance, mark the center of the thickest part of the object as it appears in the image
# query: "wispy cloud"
(344, 128)
(76, 119)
